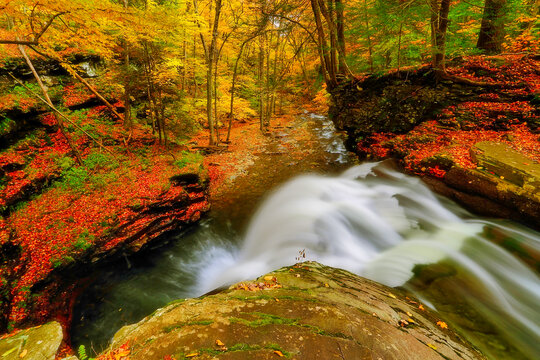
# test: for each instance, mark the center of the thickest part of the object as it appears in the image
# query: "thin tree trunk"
(399, 47)
(127, 96)
(368, 33)
(260, 83)
(210, 56)
(93, 91)
(330, 79)
(76, 152)
(184, 58)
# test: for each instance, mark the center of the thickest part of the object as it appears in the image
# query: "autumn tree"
(210, 56)
(329, 23)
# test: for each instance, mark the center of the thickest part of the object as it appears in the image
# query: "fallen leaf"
(392, 295)
(409, 314)
(268, 278)
(23, 353)
(219, 343)
(326, 285)
(432, 346)
(192, 355)
(278, 353)
(421, 307)
(442, 324)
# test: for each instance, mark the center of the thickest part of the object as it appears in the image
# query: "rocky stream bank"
(305, 311)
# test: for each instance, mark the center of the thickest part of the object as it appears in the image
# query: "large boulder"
(306, 311)
(505, 184)
(37, 343)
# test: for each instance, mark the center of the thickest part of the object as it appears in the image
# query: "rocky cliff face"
(306, 311)
(473, 136)
(59, 218)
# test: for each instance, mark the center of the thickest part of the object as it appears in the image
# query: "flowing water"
(370, 220)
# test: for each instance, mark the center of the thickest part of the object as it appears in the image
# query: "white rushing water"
(379, 223)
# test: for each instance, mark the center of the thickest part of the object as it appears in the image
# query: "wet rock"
(307, 311)
(505, 184)
(507, 164)
(37, 343)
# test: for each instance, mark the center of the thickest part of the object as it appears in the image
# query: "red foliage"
(61, 224)
(458, 127)
(74, 94)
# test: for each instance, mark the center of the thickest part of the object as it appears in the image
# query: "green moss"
(265, 319)
(176, 302)
(272, 298)
(168, 329)
(188, 158)
(239, 347)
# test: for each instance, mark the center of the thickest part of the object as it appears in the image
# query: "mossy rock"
(37, 343)
(306, 311)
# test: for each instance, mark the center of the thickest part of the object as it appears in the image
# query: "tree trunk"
(322, 47)
(368, 31)
(340, 28)
(260, 83)
(491, 34)
(127, 96)
(59, 121)
(439, 25)
(209, 79)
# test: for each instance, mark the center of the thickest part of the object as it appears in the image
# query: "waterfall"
(380, 224)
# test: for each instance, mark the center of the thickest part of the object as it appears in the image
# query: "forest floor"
(506, 111)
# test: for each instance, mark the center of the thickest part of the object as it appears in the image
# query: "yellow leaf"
(192, 355)
(326, 285)
(409, 314)
(268, 278)
(23, 353)
(219, 343)
(278, 353)
(442, 324)
(421, 307)
(392, 295)
(432, 346)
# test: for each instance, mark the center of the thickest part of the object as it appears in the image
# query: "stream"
(369, 219)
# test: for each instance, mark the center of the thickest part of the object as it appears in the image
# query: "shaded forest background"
(178, 65)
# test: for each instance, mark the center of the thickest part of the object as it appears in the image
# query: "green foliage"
(6, 125)
(21, 91)
(84, 240)
(188, 158)
(75, 178)
(82, 353)
(65, 162)
(96, 171)
(97, 161)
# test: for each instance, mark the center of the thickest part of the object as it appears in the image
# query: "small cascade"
(382, 224)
